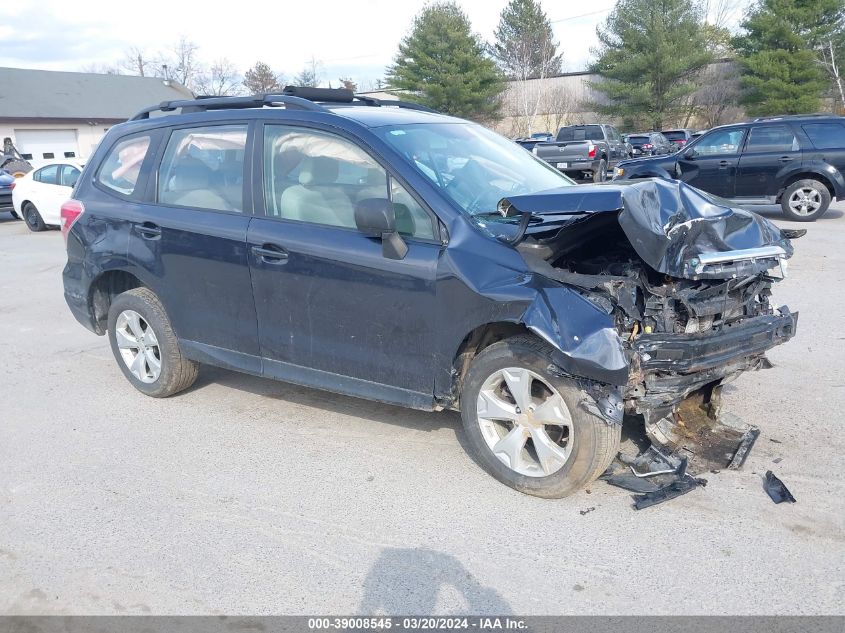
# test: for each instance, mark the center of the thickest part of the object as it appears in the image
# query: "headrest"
(320, 170)
(375, 177)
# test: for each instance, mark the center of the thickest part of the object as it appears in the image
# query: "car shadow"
(408, 581)
(329, 401)
(6, 216)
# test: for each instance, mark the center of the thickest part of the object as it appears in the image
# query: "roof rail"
(777, 117)
(297, 97)
(202, 104)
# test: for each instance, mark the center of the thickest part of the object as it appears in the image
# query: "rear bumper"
(76, 295)
(693, 353)
(5, 199)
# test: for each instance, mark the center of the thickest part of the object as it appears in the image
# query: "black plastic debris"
(680, 486)
(776, 489)
(656, 476)
(745, 445)
(587, 511)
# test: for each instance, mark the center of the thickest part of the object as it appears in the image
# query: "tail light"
(648, 146)
(591, 152)
(71, 211)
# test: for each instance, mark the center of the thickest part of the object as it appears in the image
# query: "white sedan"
(38, 196)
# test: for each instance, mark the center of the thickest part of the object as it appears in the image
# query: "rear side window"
(203, 167)
(826, 135)
(49, 175)
(122, 166)
(580, 133)
(772, 138)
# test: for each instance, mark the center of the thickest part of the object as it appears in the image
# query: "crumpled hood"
(672, 226)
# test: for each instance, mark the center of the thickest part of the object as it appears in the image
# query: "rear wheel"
(600, 174)
(146, 347)
(32, 217)
(525, 426)
(805, 200)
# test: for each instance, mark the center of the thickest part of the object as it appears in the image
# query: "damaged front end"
(686, 283)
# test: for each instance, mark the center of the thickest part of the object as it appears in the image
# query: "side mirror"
(689, 154)
(376, 217)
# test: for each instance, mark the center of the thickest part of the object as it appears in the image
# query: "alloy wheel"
(525, 422)
(138, 346)
(805, 201)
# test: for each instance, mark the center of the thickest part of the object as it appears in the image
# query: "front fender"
(583, 335)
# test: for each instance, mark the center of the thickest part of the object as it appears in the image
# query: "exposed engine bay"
(691, 309)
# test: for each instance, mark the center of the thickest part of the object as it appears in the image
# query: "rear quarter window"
(826, 135)
(121, 168)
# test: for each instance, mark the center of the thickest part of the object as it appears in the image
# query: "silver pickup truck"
(584, 151)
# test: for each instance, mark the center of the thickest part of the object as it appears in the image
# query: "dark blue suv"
(392, 253)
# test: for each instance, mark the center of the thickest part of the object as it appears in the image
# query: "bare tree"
(829, 60)
(183, 65)
(220, 80)
(136, 61)
(310, 76)
(716, 100)
(558, 106)
(101, 69)
(348, 84)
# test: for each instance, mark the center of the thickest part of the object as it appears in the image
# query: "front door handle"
(271, 253)
(724, 163)
(148, 230)
(785, 159)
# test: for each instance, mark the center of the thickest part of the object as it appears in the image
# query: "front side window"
(122, 166)
(49, 175)
(317, 177)
(771, 138)
(720, 142)
(472, 166)
(826, 135)
(203, 167)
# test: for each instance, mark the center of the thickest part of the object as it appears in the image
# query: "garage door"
(46, 144)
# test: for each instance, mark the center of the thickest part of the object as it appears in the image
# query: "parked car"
(7, 183)
(649, 144)
(387, 252)
(584, 151)
(678, 137)
(696, 134)
(795, 161)
(38, 196)
(529, 142)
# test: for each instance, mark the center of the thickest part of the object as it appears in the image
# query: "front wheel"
(805, 200)
(146, 347)
(526, 427)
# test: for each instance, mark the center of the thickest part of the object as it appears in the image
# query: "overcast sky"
(355, 38)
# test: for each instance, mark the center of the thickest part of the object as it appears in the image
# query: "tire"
(584, 449)
(176, 373)
(805, 200)
(32, 217)
(17, 167)
(600, 174)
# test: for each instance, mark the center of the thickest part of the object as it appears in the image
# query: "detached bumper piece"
(657, 477)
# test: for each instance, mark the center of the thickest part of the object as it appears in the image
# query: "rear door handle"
(148, 230)
(785, 159)
(271, 253)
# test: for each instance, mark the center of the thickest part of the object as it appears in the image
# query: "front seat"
(190, 186)
(318, 198)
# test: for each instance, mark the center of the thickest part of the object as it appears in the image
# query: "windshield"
(473, 166)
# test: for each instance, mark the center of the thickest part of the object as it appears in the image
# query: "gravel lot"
(248, 496)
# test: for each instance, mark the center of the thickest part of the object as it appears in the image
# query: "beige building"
(50, 115)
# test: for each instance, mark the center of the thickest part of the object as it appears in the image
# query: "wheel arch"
(808, 175)
(104, 288)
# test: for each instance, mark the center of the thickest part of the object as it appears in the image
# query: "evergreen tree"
(779, 54)
(260, 79)
(651, 54)
(442, 64)
(525, 46)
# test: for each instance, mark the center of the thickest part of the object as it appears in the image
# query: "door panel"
(327, 298)
(194, 239)
(769, 150)
(711, 164)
